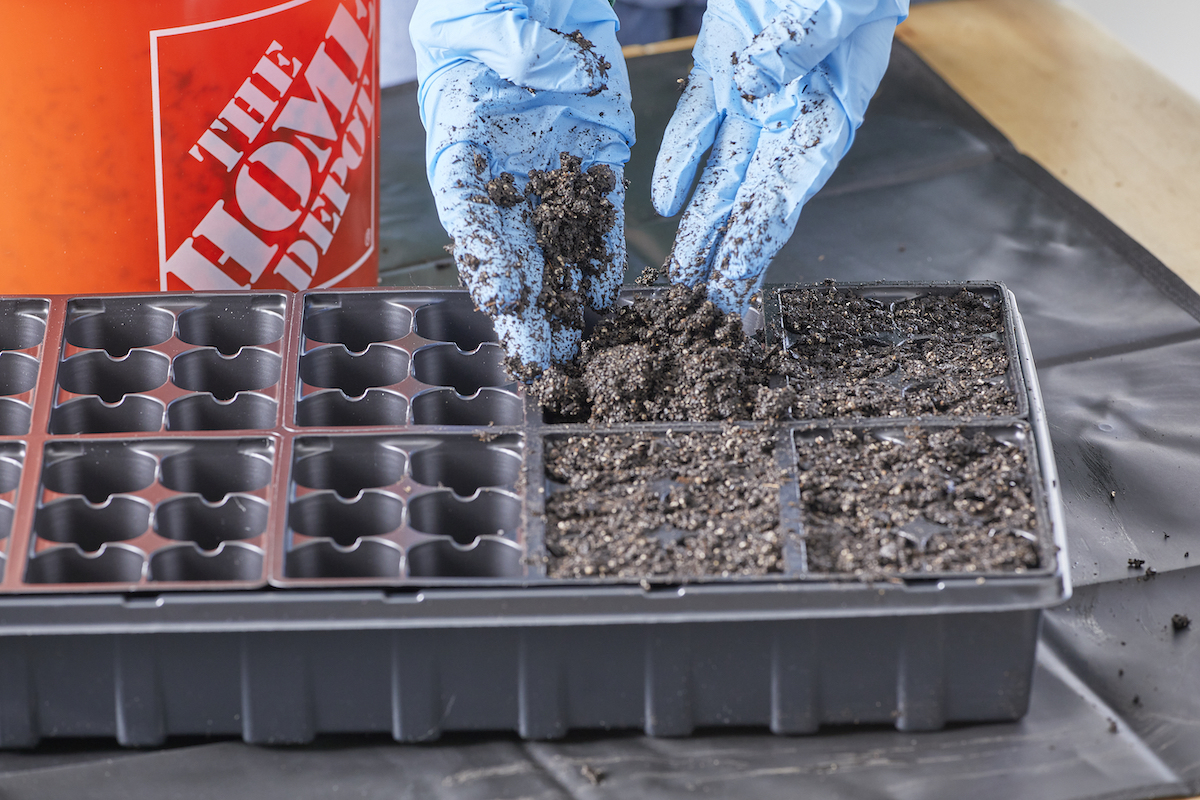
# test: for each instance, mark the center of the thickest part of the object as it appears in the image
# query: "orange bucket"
(154, 145)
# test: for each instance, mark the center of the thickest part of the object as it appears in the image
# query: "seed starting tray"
(275, 515)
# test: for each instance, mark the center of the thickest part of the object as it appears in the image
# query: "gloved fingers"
(690, 132)
(566, 314)
(603, 281)
(492, 245)
(526, 338)
(519, 49)
(788, 168)
(703, 224)
(799, 38)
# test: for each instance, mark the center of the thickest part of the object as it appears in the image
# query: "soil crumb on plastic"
(678, 505)
(927, 501)
(1180, 622)
(852, 356)
(674, 358)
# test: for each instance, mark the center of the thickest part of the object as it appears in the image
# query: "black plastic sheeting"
(929, 192)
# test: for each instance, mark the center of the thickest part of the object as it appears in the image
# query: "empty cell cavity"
(191, 519)
(15, 417)
(333, 408)
(111, 379)
(93, 415)
(357, 322)
(233, 562)
(486, 558)
(347, 465)
(486, 407)
(69, 565)
(366, 559)
(328, 515)
(224, 376)
(217, 468)
(455, 320)
(232, 322)
(335, 367)
(96, 470)
(117, 326)
(446, 365)
(75, 521)
(202, 412)
(22, 323)
(10, 473)
(489, 513)
(18, 373)
(465, 465)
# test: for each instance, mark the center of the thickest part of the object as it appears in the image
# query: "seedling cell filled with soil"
(672, 505)
(848, 354)
(941, 500)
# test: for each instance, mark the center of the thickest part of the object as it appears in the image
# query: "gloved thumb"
(519, 49)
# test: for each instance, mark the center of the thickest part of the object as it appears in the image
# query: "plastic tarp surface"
(929, 192)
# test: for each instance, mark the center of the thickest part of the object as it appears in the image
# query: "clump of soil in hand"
(927, 501)
(502, 190)
(676, 504)
(851, 356)
(674, 358)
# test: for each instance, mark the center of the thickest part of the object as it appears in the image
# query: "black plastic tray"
(265, 555)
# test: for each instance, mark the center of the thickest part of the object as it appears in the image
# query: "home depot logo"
(265, 147)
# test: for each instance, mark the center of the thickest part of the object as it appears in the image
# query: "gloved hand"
(506, 86)
(778, 89)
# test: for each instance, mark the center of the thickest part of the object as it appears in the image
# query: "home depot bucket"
(175, 145)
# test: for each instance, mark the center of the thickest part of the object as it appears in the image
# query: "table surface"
(1072, 98)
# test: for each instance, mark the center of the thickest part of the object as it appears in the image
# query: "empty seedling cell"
(76, 521)
(111, 379)
(328, 515)
(485, 558)
(486, 407)
(201, 412)
(97, 470)
(446, 365)
(15, 417)
(92, 415)
(332, 408)
(11, 458)
(881, 501)
(224, 376)
(192, 519)
(233, 562)
(347, 465)
(231, 322)
(117, 325)
(367, 558)
(18, 373)
(465, 465)
(442, 513)
(70, 565)
(455, 320)
(335, 367)
(7, 512)
(213, 469)
(355, 320)
(22, 323)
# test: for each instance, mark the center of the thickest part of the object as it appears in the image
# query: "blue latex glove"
(504, 89)
(778, 89)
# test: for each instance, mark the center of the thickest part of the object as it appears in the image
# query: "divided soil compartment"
(337, 511)
(855, 351)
